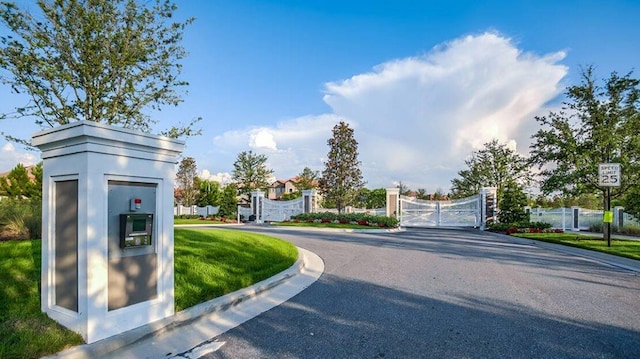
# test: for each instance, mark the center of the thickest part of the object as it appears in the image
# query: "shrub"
(20, 218)
(522, 227)
(359, 218)
(188, 216)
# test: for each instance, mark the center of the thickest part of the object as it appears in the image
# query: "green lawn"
(622, 248)
(26, 332)
(208, 264)
(211, 263)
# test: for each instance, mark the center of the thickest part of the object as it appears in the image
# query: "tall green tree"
(512, 205)
(186, 181)
(598, 123)
(18, 184)
(342, 179)
(492, 166)
(208, 193)
(108, 61)
(250, 172)
(375, 198)
(229, 201)
(307, 179)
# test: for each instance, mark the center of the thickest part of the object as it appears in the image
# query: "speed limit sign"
(609, 174)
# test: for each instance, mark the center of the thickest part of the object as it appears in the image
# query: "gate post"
(256, 204)
(618, 217)
(488, 206)
(308, 200)
(107, 227)
(393, 202)
(575, 219)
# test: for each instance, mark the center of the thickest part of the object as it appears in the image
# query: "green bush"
(505, 227)
(187, 216)
(357, 218)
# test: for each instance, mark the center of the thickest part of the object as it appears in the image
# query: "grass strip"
(208, 264)
(619, 247)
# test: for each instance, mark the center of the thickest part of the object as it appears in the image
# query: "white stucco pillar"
(107, 236)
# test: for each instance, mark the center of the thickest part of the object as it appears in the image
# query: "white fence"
(244, 212)
(202, 211)
(578, 219)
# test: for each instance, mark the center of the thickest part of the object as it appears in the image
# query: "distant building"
(279, 187)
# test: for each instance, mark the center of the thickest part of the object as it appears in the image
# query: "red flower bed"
(512, 230)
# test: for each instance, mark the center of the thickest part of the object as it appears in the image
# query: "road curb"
(307, 269)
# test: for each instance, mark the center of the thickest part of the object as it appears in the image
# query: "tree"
(512, 205)
(186, 181)
(307, 179)
(106, 61)
(377, 198)
(493, 166)
(208, 193)
(439, 195)
(250, 172)
(597, 124)
(229, 201)
(17, 183)
(403, 189)
(366, 198)
(341, 178)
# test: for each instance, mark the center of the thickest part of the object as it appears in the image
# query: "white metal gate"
(280, 210)
(464, 212)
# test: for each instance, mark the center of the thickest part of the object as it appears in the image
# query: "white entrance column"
(257, 198)
(107, 236)
(308, 200)
(393, 202)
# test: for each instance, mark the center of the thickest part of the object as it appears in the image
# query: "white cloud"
(262, 138)
(9, 157)
(223, 178)
(419, 117)
(290, 146)
(416, 119)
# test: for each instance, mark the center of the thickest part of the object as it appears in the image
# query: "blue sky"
(423, 83)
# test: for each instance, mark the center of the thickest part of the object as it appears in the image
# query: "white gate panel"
(465, 212)
(418, 213)
(277, 211)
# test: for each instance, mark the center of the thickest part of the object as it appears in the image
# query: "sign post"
(608, 176)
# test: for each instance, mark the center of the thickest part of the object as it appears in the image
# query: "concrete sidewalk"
(189, 333)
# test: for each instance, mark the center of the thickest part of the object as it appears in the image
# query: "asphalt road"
(441, 293)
